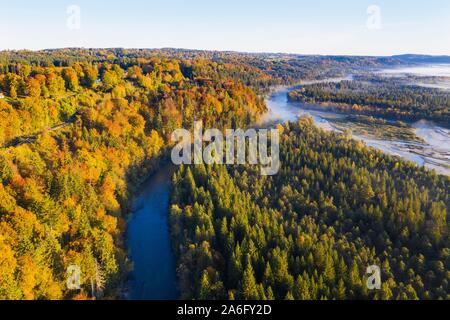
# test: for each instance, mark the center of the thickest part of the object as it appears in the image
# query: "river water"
(153, 276)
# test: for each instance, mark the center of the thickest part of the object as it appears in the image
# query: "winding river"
(154, 273)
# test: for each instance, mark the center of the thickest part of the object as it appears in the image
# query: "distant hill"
(417, 58)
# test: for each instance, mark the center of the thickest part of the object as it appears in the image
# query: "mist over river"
(436, 70)
(439, 72)
(433, 152)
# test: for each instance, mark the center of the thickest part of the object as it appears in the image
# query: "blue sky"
(294, 26)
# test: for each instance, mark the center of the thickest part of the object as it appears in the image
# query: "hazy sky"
(295, 26)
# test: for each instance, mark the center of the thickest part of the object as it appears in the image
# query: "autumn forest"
(82, 129)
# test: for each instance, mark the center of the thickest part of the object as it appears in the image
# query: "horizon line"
(226, 51)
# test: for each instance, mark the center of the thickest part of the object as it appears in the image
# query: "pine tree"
(249, 288)
(204, 292)
(289, 296)
(340, 291)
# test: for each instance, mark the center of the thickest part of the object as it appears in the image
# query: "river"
(433, 152)
(153, 276)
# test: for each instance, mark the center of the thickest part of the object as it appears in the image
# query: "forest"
(81, 129)
(379, 97)
(259, 70)
(310, 232)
